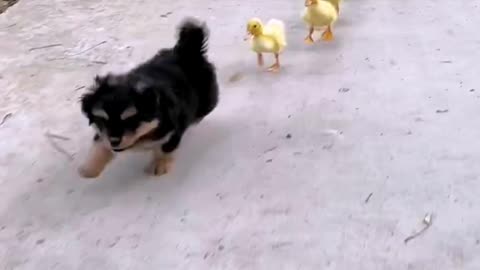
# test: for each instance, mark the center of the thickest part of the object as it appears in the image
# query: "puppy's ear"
(87, 102)
(108, 79)
(99, 80)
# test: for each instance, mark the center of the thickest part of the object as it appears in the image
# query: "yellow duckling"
(319, 13)
(269, 38)
(336, 4)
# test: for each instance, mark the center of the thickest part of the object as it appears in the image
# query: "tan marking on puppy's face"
(145, 143)
(129, 112)
(129, 139)
(99, 112)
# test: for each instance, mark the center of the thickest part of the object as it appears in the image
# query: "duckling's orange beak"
(247, 36)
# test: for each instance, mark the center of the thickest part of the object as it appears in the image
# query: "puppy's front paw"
(88, 172)
(96, 161)
(163, 166)
(160, 166)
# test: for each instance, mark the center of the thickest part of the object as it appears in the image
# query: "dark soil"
(4, 4)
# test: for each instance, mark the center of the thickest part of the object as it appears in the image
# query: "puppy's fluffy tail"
(192, 40)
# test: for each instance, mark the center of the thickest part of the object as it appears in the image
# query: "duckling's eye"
(255, 26)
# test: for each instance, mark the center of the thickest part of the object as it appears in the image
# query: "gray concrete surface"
(242, 195)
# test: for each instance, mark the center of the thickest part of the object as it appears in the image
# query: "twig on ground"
(56, 136)
(166, 14)
(427, 222)
(44, 47)
(235, 77)
(368, 197)
(9, 26)
(75, 54)
(270, 149)
(57, 147)
(79, 88)
(5, 118)
(91, 48)
(98, 62)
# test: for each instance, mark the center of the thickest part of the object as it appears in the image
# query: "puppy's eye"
(128, 113)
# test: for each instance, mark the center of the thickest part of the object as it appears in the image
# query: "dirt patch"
(4, 4)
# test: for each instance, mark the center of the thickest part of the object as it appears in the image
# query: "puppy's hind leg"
(97, 159)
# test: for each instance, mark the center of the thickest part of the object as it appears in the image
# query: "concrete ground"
(383, 126)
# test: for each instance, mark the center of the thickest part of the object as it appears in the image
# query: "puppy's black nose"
(114, 142)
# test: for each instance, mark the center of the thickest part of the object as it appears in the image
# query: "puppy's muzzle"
(114, 141)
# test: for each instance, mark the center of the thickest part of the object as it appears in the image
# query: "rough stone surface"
(242, 195)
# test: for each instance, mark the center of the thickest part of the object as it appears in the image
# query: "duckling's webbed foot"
(328, 34)
(275, 67)
(309, 39)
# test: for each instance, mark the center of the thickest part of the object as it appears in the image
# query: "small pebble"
(236, 77)
(40, 241)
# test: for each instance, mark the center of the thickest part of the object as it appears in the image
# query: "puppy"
(151, 106)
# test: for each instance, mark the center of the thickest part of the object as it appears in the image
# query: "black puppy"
(151, 106)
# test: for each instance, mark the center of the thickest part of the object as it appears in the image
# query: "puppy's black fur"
(177, 87)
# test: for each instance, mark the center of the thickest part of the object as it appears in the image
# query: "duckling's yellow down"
(321, 13)
(269, 38)
(336, 4)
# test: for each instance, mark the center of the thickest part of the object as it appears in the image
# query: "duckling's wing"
(335, 3)
(324, 13)
(276, 29)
